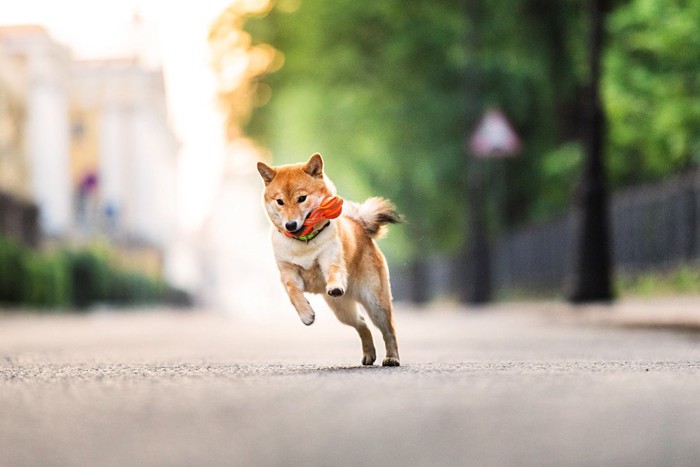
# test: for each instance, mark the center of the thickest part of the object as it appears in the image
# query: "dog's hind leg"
(379, 310)
(345, 310)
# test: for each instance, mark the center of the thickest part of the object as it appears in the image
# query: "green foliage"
(389, 91)
(652, 85)
(46, 281)
(559, 170)
(96, 280)
(679, 281)
(129, 287)
(366, 85)
(74, 278)
(90, 276)
(12, 269)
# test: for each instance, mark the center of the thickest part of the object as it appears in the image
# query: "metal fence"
(654, 228)
(657, 226)
(536, 257)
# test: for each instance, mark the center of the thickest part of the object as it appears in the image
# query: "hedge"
(74, 278)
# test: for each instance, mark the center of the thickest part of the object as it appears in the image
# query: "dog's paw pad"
(335, 292)
(368, 360)
(391, 361)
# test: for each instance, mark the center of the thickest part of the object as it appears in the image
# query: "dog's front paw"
(308, 318)
(335, 291)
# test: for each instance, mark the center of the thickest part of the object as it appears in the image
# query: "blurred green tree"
(384, 90)
(652, 89)
(389, 92)
(377, 88)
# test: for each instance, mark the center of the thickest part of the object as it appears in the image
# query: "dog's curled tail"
(374, 214)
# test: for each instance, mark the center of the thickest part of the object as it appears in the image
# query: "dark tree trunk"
(590, 280)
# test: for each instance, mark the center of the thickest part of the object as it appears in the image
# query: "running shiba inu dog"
(319, 250)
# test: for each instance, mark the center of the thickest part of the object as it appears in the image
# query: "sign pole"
(494, 138)
(478, 290)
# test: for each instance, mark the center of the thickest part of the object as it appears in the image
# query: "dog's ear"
(266, 172)
(315, 166)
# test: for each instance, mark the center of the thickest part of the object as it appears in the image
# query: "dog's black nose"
(291, 226)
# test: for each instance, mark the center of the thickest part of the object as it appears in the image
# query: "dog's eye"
(301, 199)
(280, 202)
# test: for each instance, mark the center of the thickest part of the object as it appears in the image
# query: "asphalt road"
(517, 386)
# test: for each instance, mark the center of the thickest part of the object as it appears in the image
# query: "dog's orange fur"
(343, 262)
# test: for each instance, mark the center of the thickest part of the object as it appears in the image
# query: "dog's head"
(292, 192)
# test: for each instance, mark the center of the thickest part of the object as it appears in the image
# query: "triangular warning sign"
(494, 137)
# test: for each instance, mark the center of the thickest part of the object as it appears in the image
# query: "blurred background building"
(43, 66)
(18, 215)
(90, 144)
(123, 159)
(113, 162)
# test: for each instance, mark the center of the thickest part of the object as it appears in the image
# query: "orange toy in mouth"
(330, 208)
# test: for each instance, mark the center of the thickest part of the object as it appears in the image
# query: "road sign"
(494, 136)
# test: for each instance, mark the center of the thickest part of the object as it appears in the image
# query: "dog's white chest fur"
(303, 254)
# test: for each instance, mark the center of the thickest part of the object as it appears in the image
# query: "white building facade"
(45, 66)
(137, 151)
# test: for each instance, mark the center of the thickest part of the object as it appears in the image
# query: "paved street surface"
(516, 385)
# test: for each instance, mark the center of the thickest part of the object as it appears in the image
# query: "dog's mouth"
(297, 231)
(301, 226)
